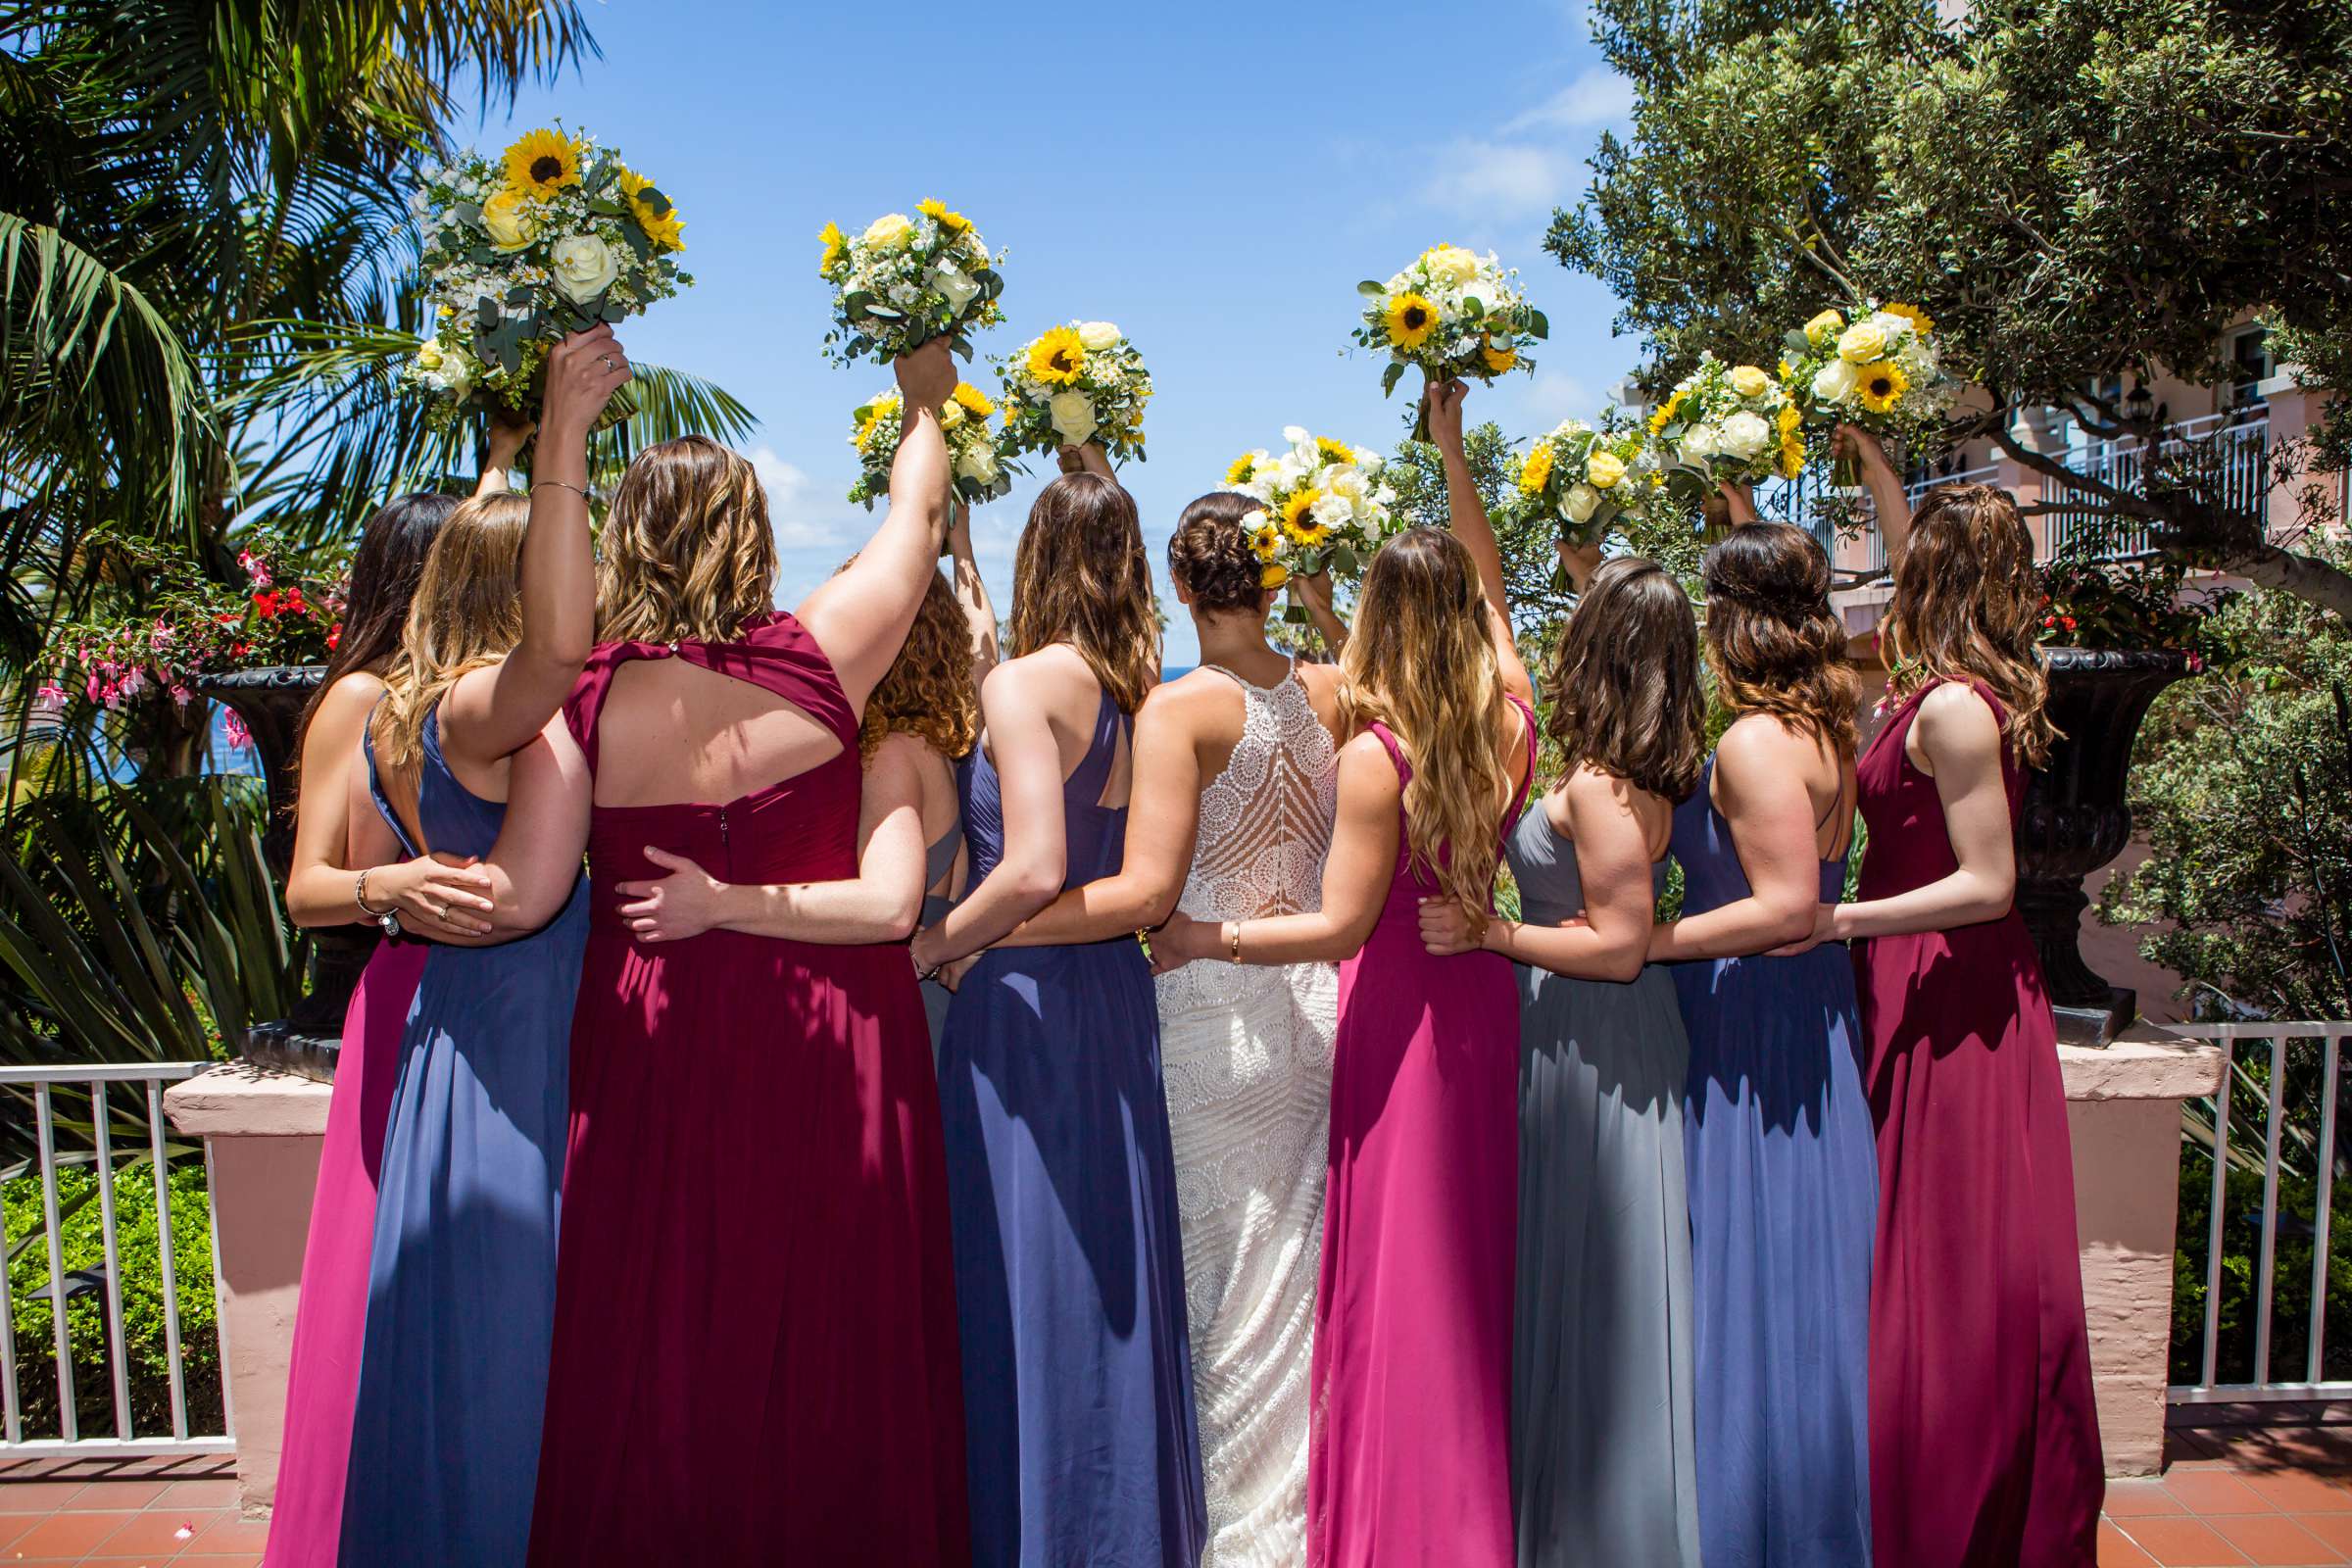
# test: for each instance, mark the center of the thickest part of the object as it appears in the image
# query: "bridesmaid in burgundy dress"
(754, 1355)
(1983, 1438)
(1408, 1447)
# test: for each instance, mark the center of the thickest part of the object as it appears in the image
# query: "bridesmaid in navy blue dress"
(1061, 1182)
(1778, 1146)
(460, 1287)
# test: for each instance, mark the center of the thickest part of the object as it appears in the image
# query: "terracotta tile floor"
(2270, 1485)
(124, 1513)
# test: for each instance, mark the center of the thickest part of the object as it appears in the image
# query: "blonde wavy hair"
(688, 553)
(1080, 576)
(1420, 662)
(467, 615)
(928, 691)
(1966, 595)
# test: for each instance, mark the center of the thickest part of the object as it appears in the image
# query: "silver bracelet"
(538, 485)
(387, 920)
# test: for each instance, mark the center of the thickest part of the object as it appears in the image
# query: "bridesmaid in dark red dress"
(1983, 1437)
(756, 1352)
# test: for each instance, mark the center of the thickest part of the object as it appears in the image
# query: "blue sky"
(1213, 178)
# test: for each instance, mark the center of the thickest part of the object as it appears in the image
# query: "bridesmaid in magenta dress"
(1985, 1438)
(1409, 1455)
(307, 1518)
(755, 1353)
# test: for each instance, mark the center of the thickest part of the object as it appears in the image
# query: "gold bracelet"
(1235, 942)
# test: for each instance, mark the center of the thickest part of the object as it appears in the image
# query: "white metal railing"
(2243, 472)
(2311, 1054)
(109, 1093)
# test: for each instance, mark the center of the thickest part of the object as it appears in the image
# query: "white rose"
(584, 268)
(958, 289)
(1701, 441)
(1349, 483)
(1745, 434)
(1579, 503)
(1450, 264)
(890, 231)
(1073, 417)
(1897, 329)
(1367, 460)
(1834, 382)
(1333, 511)
(1096, 336)
(1290, 469)
(1296, 435)
(977, 463)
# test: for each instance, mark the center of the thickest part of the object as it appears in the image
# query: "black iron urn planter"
(306, 1040)
(2077, 817)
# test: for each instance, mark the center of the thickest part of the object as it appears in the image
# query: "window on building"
(2250, 367)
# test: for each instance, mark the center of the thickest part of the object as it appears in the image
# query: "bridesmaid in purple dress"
(1984, 1434)
(307, 1518)
(1408, 1459)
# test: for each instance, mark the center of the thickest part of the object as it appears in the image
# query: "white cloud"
(1597, 97)
(1496, 178)
(802, 521)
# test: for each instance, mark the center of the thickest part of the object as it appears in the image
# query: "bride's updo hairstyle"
(1209, 556)
(688, 554)
(1080, 575)
(1774, 644)
(1419, 662)
(1624, 681)
(1966, 597)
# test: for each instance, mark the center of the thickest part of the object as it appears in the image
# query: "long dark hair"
(384, 573)
(1080, 576)
(1624, 679)
(1776, 645)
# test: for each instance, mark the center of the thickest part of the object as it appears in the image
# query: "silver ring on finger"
(607, 360)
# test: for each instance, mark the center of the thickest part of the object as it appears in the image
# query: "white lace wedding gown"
(1246, 1059)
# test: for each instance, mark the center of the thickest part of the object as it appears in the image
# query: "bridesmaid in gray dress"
(1602, 1438)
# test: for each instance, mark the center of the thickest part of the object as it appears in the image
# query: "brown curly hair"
(1210, 555)
(688, 554)
(1966, 593)
(1624, 681)
(1420, 662)
(1080, 576)
(928, 691)
(1775, 645)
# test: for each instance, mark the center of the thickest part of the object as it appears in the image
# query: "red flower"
(334, 637)
(2049, 622)
(2068, 622)
(228, 620)
(265, 604)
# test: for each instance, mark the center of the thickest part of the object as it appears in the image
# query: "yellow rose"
(1749, 383)
(1450, 264)
(1603, 469)
(1823, 327)
(510, 220)
(890, 231)
(1863, 343)
(1272, 575)
(428, 355)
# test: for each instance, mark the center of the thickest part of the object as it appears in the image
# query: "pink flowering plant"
(194, 625)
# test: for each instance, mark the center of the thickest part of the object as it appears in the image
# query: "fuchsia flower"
(256, 569)
(50, 694)
(234, 728)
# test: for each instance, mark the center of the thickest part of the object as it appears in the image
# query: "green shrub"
(144, 1344)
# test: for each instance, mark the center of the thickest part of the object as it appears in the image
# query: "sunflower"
(543, 162)
(1919, 320)
(937, 212)
(1298, 518)
(1793, 455)
(1265, 541)
(883, 409)
(1790, 418)
(1497, 360)
(1337, 452)
(1410, 319)
(1665, 414)
(837, 249)
(1057, 359)
(1536, 472)
(1243, 466)
(974, 399)
(1882, 386)
(660, 222)
(1273, 575)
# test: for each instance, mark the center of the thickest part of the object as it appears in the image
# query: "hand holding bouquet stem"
(583, 371)
(1741, 500)
(510, 433)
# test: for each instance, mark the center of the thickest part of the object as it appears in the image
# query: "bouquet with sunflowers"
(1880, 372)
(980, 475)
(1582, 478)
(1731, 423)
(1076, 384)
(907, 280)
(1454, 313)
(551, 239)
(1321, 505)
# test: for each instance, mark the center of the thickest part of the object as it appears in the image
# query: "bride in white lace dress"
(1231, 814)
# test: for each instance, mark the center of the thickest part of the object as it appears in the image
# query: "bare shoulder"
(1590, 789)
(1364, 761)
(1320, 680)
(1959, 711)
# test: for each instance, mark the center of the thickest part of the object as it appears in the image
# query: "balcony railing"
(2282, 1078)
(2242, 468)
(77, 1116)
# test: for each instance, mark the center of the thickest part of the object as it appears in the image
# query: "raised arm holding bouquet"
(1878, 372)
(1733, 426)
(980, 472)
(1074, 384)
(1322, 505)
(556, 236)
(1454, 313)
(907, 280)
(1579, 479)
